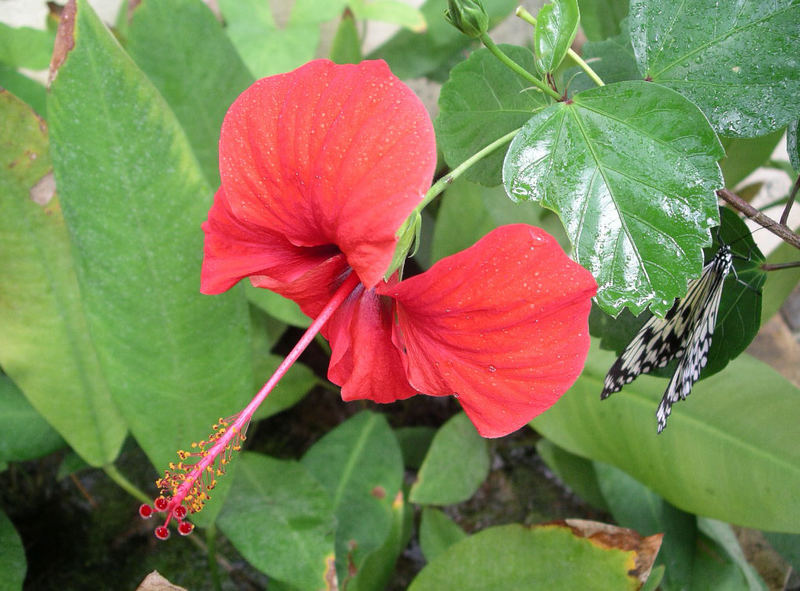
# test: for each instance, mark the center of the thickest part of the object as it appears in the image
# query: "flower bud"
(468, 16)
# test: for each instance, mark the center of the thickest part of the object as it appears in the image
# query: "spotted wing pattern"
(685, 333)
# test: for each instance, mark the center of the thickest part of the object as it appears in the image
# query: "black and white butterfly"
(684, 333)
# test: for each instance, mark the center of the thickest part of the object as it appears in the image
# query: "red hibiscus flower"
(320, 167)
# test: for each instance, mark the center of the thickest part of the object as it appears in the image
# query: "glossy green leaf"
(25, 47)
(635, 506)
(281, 520)
(12, 556)
(574, 471)
(27, 89)
(276, 306)
(411, 55)
(389, 11)
(266, 48)
(734, 60)
(361, 466)
(482, 101)
(24, 434)
(456, 465)
(611, 59)
(468, 212)
(379, 567)
(792, 145)
(556, 26)
(346, 45)
(729, 451)
(744, 155)
(45, 346)
(631, 170)
(134, 199)
(739, 316)
(437, 532)
(544, 557)
(200, 79)
(600, 19)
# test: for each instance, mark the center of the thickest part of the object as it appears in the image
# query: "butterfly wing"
(660, 340)
(698, 340)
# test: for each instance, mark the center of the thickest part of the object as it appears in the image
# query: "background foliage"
(111, 359)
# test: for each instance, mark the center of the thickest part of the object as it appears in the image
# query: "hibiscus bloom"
(320, 167)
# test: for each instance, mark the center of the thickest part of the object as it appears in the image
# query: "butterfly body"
(684, 333)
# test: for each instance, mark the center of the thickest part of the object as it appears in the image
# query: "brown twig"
(778, 266)
(785, 214)
(780, 230)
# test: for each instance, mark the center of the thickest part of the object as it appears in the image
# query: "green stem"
(125, 484)
(528, 18)
(447, 179)
(517, 68)
(211, 542)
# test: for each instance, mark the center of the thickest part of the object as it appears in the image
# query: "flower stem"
(125, 484)
(243, 418)
(447, 179)
(490, 45)
(528, 18)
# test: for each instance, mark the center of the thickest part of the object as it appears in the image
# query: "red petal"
(502, 325)
(235, 249)
(329, 155)
(364, 361)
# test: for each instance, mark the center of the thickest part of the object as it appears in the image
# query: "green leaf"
(314, 11)
(576, 472)
(545, 557)
(482, 101)
(389, 11)
(630, 168)
(71, 464)
(297, 382)
(134, 199)
(414, 444)
(276, 305)
(468, 212)
(779, 284)
(612, 60)
(728, 453)
(412, 55)
(787, 545)
(723, 534)
(635, 506)
(281, 520)
(346, 45)
(556, 26)
(25, 47)
(265, 48)
(736, 61)
(456, 465)
(437, 532)
(600, 19)
(379, 566)
(360, 465)
(12, 559)
(27, 89)
(24, 434)
(45, 346)
(792, 146)
(200, 80)
(744, 155)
